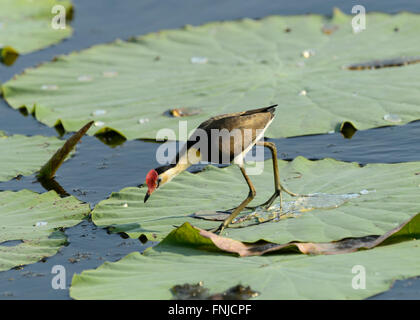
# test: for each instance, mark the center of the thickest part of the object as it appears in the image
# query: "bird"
(244, 130)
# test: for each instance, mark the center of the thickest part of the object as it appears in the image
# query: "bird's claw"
(217, 230)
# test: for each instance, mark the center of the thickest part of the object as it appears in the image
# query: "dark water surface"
(89, 248)
(97, 169)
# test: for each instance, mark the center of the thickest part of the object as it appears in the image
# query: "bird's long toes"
(217, 230)
(251, 208)
(214, 230)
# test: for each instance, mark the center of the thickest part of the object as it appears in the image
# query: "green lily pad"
(25, 25)
(233, 66)
(36, 220)
(153, 274)
(22, 155)
(378, 198)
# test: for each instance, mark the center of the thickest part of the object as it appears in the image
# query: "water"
(89, 248)
(97, 169)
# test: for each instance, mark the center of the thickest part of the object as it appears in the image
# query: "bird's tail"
(270, 109)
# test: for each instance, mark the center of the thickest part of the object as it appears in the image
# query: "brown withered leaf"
(406, 231)
(386, 63)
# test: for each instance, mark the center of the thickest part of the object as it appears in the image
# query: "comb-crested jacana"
(245, 130)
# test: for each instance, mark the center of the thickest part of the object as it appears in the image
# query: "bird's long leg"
(278, 187)
(277, 184)
(238, 209)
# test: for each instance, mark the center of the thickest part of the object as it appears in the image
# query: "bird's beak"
(146, 196)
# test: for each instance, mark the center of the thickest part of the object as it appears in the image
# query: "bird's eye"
(158, 182)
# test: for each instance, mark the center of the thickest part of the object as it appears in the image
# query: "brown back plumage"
(236, 124)
(252, 119)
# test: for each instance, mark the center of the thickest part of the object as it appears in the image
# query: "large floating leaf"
(152, 275)
(21, 155)
(34, 220)
(233, 66)
(386, 195)
(25, 25)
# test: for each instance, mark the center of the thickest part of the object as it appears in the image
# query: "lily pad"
(25, 25)
(289, 276)
(233, 66)
(22, 155)
(385, 196)
(36, 221)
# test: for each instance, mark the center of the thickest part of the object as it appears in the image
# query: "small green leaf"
(34, 219)
(25, 25)
(21, 155)
(8, 55)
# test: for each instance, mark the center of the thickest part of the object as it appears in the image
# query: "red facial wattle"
(151, 181)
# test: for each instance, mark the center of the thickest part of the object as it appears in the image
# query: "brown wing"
(239, 117)
(242, 128)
